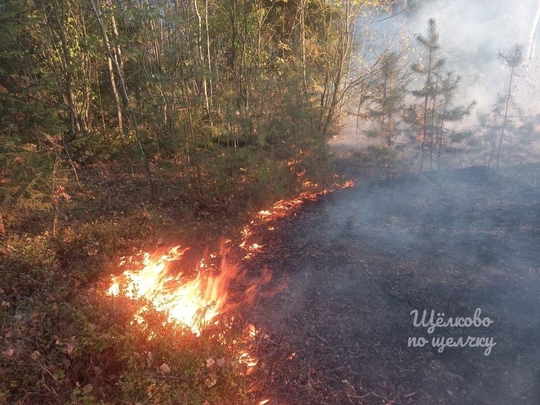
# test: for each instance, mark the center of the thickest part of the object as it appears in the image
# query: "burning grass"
(166, 329)
(167, 302)
(195, 303)
(202, 301)
(190, 303)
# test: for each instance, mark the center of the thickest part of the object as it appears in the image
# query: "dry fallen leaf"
(9, 352)
(69, 348)
(210, 381)
(349, 389)
(165, 368)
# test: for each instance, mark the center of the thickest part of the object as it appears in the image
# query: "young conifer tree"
(512, 59)
(386, 103)
(447, 113)
(436, 96)
(429, 92)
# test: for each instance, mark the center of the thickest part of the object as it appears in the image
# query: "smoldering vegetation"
(456, 239)
(457, 233)
(359, 262)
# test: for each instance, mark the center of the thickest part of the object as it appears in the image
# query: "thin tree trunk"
(116, 95)
(426, 98)
(116, 62)
(432, 127)
(68, 78)
(2, 227)
(117, 49)
(110, 62)
(303, 44)
(441, 138)
(337, 81)
(201, 59)
(505, 117)
(209, 63)
(84, 120)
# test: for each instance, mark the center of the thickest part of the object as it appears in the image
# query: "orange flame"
(193, 303)
(196, 303)
(283, 209)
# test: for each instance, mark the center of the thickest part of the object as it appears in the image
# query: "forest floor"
(359, 261)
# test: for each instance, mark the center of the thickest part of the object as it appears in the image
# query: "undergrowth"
(64, 341)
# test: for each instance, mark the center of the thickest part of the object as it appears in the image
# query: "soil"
(359, 261)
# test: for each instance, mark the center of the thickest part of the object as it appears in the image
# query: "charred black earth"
(361, 260)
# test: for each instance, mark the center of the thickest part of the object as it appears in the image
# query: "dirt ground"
(359, 261)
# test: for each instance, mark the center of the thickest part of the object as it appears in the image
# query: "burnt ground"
(360, 260)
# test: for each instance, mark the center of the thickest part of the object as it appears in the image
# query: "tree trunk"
(116, 62)
(426, 98)
(202, 60)
(73, 127)
(505, 117)
(110, 62)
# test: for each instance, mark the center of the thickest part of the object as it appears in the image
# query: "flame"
(195, 303)
(247, 359)
(282, 209)
(191, 303)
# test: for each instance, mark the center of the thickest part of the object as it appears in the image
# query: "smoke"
(531, 47)
(473, 33)
(452, 240)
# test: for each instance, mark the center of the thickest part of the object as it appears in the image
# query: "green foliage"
(26, 194)
(29, 104)
(117, 128)
(27, 263)
(67, 343)
(436, 96)
(192, 80)
(385, 104)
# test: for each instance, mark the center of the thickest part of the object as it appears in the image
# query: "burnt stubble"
(361, 260)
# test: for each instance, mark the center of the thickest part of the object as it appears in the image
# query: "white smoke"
(472, 35)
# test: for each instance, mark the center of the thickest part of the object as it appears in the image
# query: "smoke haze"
(473, 33)
(472, 36)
